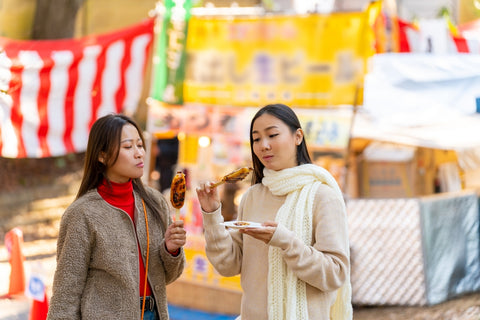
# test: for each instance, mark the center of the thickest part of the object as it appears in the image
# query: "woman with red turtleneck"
(117, 247)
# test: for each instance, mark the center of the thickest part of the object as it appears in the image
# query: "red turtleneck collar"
(119, 195)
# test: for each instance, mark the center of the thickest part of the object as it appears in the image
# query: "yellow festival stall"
(235, 64)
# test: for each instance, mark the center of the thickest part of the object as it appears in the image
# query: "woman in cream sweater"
(296, 266)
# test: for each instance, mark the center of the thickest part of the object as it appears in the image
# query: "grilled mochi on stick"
(177, 192)
(235, 176)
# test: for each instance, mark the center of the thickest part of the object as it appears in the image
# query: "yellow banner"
(303, 61)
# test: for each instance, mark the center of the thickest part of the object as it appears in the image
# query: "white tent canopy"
(423, 100)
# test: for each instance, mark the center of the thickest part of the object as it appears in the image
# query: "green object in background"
(169, 57)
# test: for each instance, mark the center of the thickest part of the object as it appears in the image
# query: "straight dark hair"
(104, 140)
(287, 116)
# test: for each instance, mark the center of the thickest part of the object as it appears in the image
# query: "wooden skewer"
(216, 184)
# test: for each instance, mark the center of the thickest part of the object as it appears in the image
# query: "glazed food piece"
(177, 190)
(242, 224)
(234, 176)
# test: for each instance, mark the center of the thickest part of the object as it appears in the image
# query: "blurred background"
(388, 93)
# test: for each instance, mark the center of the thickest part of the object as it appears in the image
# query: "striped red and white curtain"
(51, 91)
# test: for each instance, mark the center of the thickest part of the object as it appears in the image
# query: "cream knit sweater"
(323, 266)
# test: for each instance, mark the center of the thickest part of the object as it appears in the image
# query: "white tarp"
(425, 100)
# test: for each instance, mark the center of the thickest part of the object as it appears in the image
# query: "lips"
(140, 165)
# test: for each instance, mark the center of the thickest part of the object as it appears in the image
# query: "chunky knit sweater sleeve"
(223, 247)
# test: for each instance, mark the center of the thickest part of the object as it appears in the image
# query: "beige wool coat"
(97, 274)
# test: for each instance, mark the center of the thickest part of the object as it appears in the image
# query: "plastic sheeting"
(423, 100)
(451, 246)
(422, 89)
(415, 251)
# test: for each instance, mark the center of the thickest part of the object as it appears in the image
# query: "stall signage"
(327, 128)
(303, 61)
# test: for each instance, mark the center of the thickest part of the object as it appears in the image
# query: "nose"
(139, 152)
(265, 144)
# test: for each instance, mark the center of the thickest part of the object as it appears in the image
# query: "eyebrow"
(268, 128)
(129, 139)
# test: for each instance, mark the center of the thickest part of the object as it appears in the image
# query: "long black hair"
(287, 116)
(104, 140)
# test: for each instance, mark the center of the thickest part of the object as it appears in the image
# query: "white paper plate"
(241, 224)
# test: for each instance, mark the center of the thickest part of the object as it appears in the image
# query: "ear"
(101, 157)
(298, 136)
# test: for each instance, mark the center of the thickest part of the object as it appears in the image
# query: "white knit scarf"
(287, 298)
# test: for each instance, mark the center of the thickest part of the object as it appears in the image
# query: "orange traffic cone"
(39, 309)
(13, 243)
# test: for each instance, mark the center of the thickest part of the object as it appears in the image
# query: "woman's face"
(129, 164)
(274, 144)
